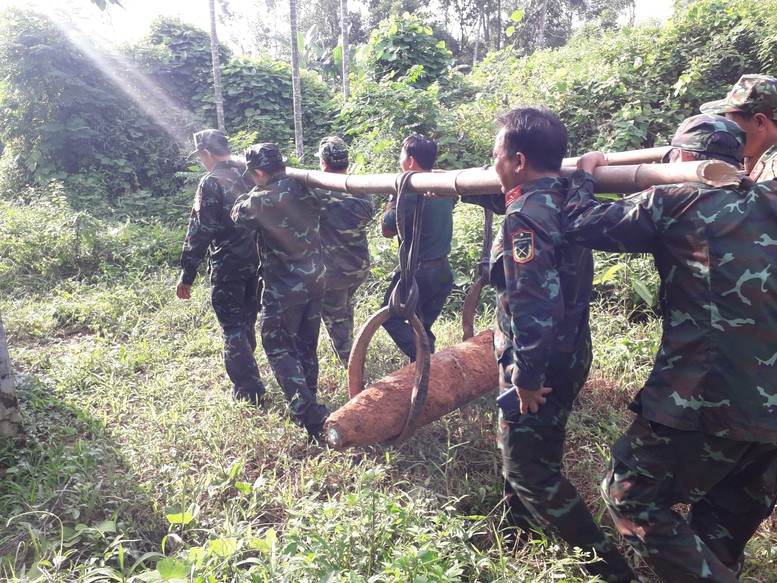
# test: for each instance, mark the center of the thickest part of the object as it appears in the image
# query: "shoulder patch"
(523, 246)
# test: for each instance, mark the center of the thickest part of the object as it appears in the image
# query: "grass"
(139, 466)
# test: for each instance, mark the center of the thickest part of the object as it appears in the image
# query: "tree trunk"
(295, 80)
(541, 27)
(346, 49)
(10, 419)
(477, 38)
(214, 53)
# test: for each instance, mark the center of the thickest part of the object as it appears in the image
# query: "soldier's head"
(751, 103)
(263, 161)
(333, 155)
(418, 153)
(531, 143)
(708, 137)
(211, 146)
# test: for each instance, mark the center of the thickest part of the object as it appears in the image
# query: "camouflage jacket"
(344, 220)
(766, 167)
(284, 215)
(233, 252)
(715, 251)
(545, 283)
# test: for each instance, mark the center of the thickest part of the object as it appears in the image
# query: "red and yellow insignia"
(512, 196)
(523, 246)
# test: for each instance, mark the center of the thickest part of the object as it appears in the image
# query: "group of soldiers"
(705, 429)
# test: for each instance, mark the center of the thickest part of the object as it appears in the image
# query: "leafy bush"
(63, 118)
(46, 241)
(403, 43)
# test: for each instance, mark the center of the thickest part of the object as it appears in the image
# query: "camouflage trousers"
(435, 283)
(236, 305)
(337, 314)
(537, 494)
(290, 340)
(729, 485)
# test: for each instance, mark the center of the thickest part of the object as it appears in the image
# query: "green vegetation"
(139, 466)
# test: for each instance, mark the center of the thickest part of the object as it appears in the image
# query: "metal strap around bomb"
(404, 298)
(473, 295)
(402, 304)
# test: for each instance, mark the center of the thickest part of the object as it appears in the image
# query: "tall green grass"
(139, 465)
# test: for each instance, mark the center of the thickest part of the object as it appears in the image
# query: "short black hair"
(339, 165)
(422, 149)
(537, 133)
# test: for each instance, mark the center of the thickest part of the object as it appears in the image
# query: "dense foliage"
(63, 117)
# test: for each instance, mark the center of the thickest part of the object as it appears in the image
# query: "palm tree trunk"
(214, 52)
(346, 50)
(10, 419)
(295, 81)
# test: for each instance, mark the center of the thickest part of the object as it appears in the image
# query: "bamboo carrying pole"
(609, 179)
(378, 413)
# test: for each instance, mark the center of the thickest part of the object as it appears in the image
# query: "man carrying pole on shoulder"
(705, 433)
(284, 215)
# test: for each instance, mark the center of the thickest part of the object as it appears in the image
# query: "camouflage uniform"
(706, 430)
(344, 220)
(233, 267)
(752, 94)
(542, 338)
(284, 215)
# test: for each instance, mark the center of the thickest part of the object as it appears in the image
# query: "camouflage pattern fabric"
(729, 485)
(344, 221)
(711, 134)
(751, 94)
(542, 338)
(233, 254)
(233, 266)
(285, 217)
(715, 251)
(236, 305)
(709, 404)
(337, 313)
(766, 167)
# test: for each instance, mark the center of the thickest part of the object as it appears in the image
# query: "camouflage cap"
(333, 151)
(711, 134)
(259, 156)
(751, 94)
(215, 141)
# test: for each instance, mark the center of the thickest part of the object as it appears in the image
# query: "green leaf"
(517, 16)
(223, 547)
(179, 518)
(510, 30)
(642, 291)
(609, 274)
(172, 569)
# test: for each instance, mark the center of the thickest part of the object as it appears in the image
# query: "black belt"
(433, 262)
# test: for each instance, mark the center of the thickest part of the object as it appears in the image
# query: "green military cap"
(333, 151)
(751, 94)
(711, 134)
(212, 140)
(259, 156)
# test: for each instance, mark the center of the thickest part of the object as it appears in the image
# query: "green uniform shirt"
(437, 225)
(715, 250)
(766, 167)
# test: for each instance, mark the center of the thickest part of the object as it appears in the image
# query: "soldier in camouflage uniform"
(706, 427)
(542, 341)
(752, 104)
(284, 215)
(233, 263)
(344, 220)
